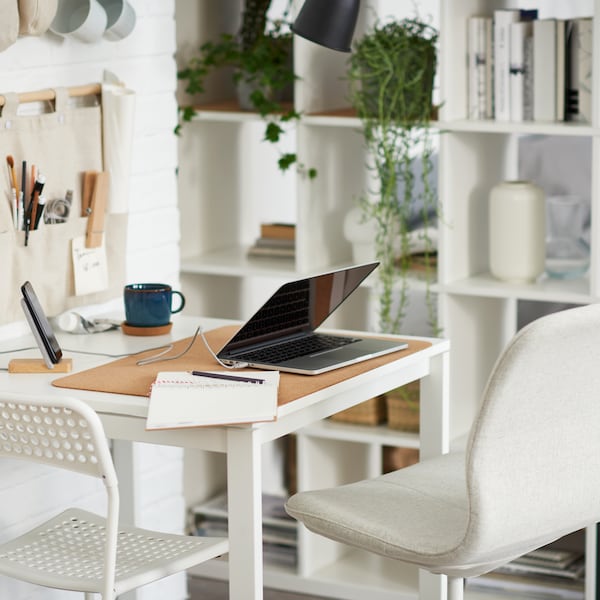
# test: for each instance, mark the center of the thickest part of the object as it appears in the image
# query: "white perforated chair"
(78, 550)
(530, 473)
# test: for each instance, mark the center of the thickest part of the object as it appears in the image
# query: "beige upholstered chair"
(530, 473)
(78, 550)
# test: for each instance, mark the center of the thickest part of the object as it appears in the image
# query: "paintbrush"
(10, 161)
(12, 173)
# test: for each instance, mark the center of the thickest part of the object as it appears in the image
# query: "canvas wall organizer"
(63, 143)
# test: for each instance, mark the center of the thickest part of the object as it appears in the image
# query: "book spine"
(518, 34)
(528, 78)
(480, 58)
(586, 39)
(561, 84)
(489, 68)
(271, 251)
(572, 73)
(521, 71)
(579, 70)
(502, 21)
(544, 70)
(278, 230)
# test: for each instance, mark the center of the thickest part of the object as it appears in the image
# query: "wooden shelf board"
(228, 110)
(342, 112)
(340, 117)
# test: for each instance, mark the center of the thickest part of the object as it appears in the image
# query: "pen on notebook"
(230, 377)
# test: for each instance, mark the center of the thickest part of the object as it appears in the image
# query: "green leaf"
(286, 161)
(273, 132)
(188, 113)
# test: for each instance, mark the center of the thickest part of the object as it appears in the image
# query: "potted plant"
(391, 72)
(260, 57)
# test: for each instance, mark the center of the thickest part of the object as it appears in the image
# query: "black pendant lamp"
(329, 23)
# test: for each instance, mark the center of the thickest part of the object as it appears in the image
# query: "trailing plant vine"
(261, 57)
(391, 77)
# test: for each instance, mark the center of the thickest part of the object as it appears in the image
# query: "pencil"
(23, 193)
(229, 377)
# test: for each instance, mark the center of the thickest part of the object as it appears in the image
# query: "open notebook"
(181, 399)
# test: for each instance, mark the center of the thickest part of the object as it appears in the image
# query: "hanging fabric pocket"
(62, 144)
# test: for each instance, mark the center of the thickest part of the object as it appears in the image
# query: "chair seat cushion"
(414, 514)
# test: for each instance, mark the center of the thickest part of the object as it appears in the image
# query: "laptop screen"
(300, 306)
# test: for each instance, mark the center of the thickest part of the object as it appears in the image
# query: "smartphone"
(40, 327)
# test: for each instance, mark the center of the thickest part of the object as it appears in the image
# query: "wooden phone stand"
(37, 365)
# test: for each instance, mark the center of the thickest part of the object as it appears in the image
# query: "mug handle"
(182, 298)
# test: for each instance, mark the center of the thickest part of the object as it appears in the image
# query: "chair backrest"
(62, 432)
(533, 460)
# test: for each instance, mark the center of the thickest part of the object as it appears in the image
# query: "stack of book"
(522, 68)
(547, 572)
(276, 239)
(280, 531)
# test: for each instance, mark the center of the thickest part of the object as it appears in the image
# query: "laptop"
(282, 334)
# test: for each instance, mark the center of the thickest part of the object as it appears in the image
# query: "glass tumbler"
(567, 252)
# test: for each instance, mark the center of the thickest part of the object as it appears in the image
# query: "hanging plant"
(260, 55)
(391, 72)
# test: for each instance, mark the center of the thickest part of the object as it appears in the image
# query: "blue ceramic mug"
(150, 304)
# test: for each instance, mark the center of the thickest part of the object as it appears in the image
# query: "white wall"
(145, 62)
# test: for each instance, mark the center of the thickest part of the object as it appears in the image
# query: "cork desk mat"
(123, 376)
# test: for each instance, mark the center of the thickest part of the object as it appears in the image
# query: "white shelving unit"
(478, 313)
(229, 183)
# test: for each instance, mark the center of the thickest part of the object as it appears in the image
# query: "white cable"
(235, 365)
(165, 349)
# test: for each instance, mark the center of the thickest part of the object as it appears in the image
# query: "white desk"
(123, 417)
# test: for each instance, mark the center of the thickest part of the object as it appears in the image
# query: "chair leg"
(455, 588)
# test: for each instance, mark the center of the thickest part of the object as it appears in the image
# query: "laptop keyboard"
(295, 348)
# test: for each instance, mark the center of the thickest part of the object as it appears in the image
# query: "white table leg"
(435, 408)
(244, 497)
(434, 440)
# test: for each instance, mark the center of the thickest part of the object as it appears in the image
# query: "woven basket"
(370, 412)
(398, 458)
(403, 407)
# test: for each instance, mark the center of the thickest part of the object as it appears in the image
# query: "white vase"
(361, 234)
(517, 231)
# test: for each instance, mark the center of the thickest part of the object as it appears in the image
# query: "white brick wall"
(145, 62)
